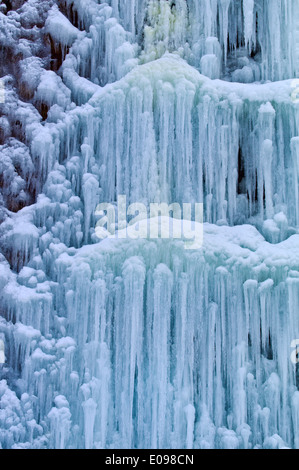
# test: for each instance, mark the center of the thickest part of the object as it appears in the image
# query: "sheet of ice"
(142, 343)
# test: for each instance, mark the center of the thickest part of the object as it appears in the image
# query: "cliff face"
(142, 343)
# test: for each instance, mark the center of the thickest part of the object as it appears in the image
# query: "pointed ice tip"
(267, 108)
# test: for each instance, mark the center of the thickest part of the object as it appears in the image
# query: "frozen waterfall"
(142, 343)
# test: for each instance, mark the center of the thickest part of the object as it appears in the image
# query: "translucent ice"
(131, 342)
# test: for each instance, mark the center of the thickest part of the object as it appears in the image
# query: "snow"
(129, 339)
(52, 91)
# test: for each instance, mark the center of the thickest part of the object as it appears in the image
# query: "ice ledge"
(173, 69)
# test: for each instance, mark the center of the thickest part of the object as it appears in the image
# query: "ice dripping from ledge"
(141, 343)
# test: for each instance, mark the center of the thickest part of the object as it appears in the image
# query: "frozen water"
(142, 343)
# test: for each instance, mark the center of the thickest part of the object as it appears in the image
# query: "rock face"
(141, 343)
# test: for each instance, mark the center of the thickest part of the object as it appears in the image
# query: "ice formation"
(127, 343)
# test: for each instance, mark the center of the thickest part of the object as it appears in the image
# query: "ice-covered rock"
(135, 341)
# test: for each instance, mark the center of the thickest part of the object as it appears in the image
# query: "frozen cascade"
(141, 343)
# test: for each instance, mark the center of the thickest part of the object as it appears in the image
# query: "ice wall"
(141, 343)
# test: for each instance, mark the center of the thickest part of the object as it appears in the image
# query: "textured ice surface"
(126, 343)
